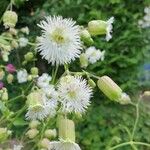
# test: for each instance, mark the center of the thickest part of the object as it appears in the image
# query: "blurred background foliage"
(127, 52)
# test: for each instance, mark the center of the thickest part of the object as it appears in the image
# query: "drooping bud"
(91, 83)
(86, 37)
(13, 31)
(83, 60)
(125, 99)
(34, 71)
(25, 30)
(29, 56)
(10, 19)
(14, 44)
(10, 78)
(109, 88)
(4, 134)
(50, 133)
(10, 68)
(34, 124)
(67, 130)
(32, 133)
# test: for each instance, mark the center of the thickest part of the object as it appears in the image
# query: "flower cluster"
(145, 22)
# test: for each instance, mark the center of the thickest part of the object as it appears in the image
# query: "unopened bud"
(25, 30)
(34, 71)
(67, 130)
(2, 74)
(83, 60)
(14, 44)
(10, 78)
(50, 133)
(109, 88)
(10, 19)
(86, 37)
(32, 133)
(4, 94)
(97, 27)
(29, 56)
(4, 134)
(44, 143)
(30, 77)
(13, 31)
(34, 124)
(91, 83)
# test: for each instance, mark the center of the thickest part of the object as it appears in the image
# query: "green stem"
(129, 143)
(54, 75)
(14, 99)
(136, 120)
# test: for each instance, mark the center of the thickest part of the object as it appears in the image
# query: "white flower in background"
(94, 54)
(23, 42)
(109, 28)
(17, 147)
(22, 76)
(145, 22)
(43, 80)
(74, 94)
(63, 145)
(60, 40)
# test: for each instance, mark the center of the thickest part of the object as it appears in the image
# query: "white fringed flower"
(43, 80)
(22, 76)
(74, 94)
(64, 145)
(17, 147)
(60, 41)
(46, 107)
(94, 55)
(109, 28)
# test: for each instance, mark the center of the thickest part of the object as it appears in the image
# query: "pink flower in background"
(1, 85)
(10, 68)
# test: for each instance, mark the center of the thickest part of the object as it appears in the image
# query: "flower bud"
(109, 88)
(14, 44)
(13, 31)
(4, 134)
(29, 56)
(50, 133)
(32, 133)
(34, 124)
(10, 68)
(34, 71)
(10, 78)
(44, 143)
(2, 74)
(125, 99)
(25, 30)
(4, 94)
(97, 27)
(5, 56)
(86, 37)
(91, 83)
(34, 100)
(83, 60)
(67, 130)
(30, 77)
(10, 19)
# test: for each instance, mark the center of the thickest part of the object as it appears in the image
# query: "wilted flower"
(22, 76)
(60, 41)
(74, 94)
(10, 68)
